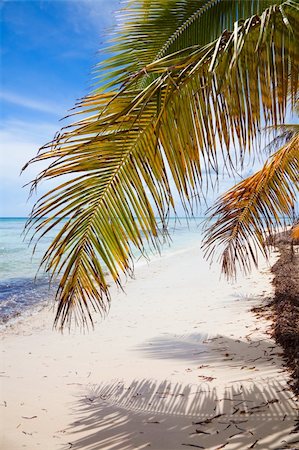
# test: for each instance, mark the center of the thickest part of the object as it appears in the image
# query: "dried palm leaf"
(253, 209)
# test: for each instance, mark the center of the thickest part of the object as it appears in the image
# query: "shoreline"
(180, 361)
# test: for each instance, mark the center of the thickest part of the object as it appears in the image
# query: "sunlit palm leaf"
(152, 29)
(252, 209)
(199, 100)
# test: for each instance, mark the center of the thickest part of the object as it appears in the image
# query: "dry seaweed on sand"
(285, 305)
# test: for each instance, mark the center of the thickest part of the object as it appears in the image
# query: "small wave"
(19, 294)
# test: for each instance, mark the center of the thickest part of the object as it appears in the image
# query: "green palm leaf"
(152, 29)
(199, 100)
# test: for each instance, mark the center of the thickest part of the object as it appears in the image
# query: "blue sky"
(48, 51)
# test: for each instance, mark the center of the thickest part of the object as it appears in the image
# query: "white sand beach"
(180, 362)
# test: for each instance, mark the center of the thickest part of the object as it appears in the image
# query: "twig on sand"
(202, 422)
(255, 359)
(206, 378)
(208, 420)
(254, 444)
(192, 445)
(263, 404)
(243, 401)
(238, 422)
(32, 417)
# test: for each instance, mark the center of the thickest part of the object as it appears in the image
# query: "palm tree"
(187, 88)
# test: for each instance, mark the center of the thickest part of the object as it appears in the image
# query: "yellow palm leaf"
(255, 207)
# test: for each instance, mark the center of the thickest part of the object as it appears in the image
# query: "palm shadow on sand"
(168, 415)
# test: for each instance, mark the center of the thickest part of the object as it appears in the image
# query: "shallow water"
(21, 287)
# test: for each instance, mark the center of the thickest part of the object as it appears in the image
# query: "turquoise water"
(20, 288)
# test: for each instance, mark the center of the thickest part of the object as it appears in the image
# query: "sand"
(180, 362)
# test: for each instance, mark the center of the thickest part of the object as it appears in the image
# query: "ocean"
(23, 286)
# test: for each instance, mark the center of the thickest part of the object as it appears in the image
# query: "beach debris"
(254, 444)
(193, 445)
(246, 412)
(25, 432)
(206, 378)
(255, 359)
(242, 401)
(26, 417)
(274, 400)
(252, 409)
(153, 421)
(201, 432)
(209, 420)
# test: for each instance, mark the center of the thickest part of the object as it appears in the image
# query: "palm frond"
(253, 209)
(152, 29)
(119, 154)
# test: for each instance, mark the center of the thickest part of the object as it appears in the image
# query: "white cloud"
(37, 105)
(20, 141)
(100, 14)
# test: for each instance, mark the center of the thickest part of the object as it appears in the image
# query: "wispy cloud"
(20, 141)
(25, 102)
(97, 14)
